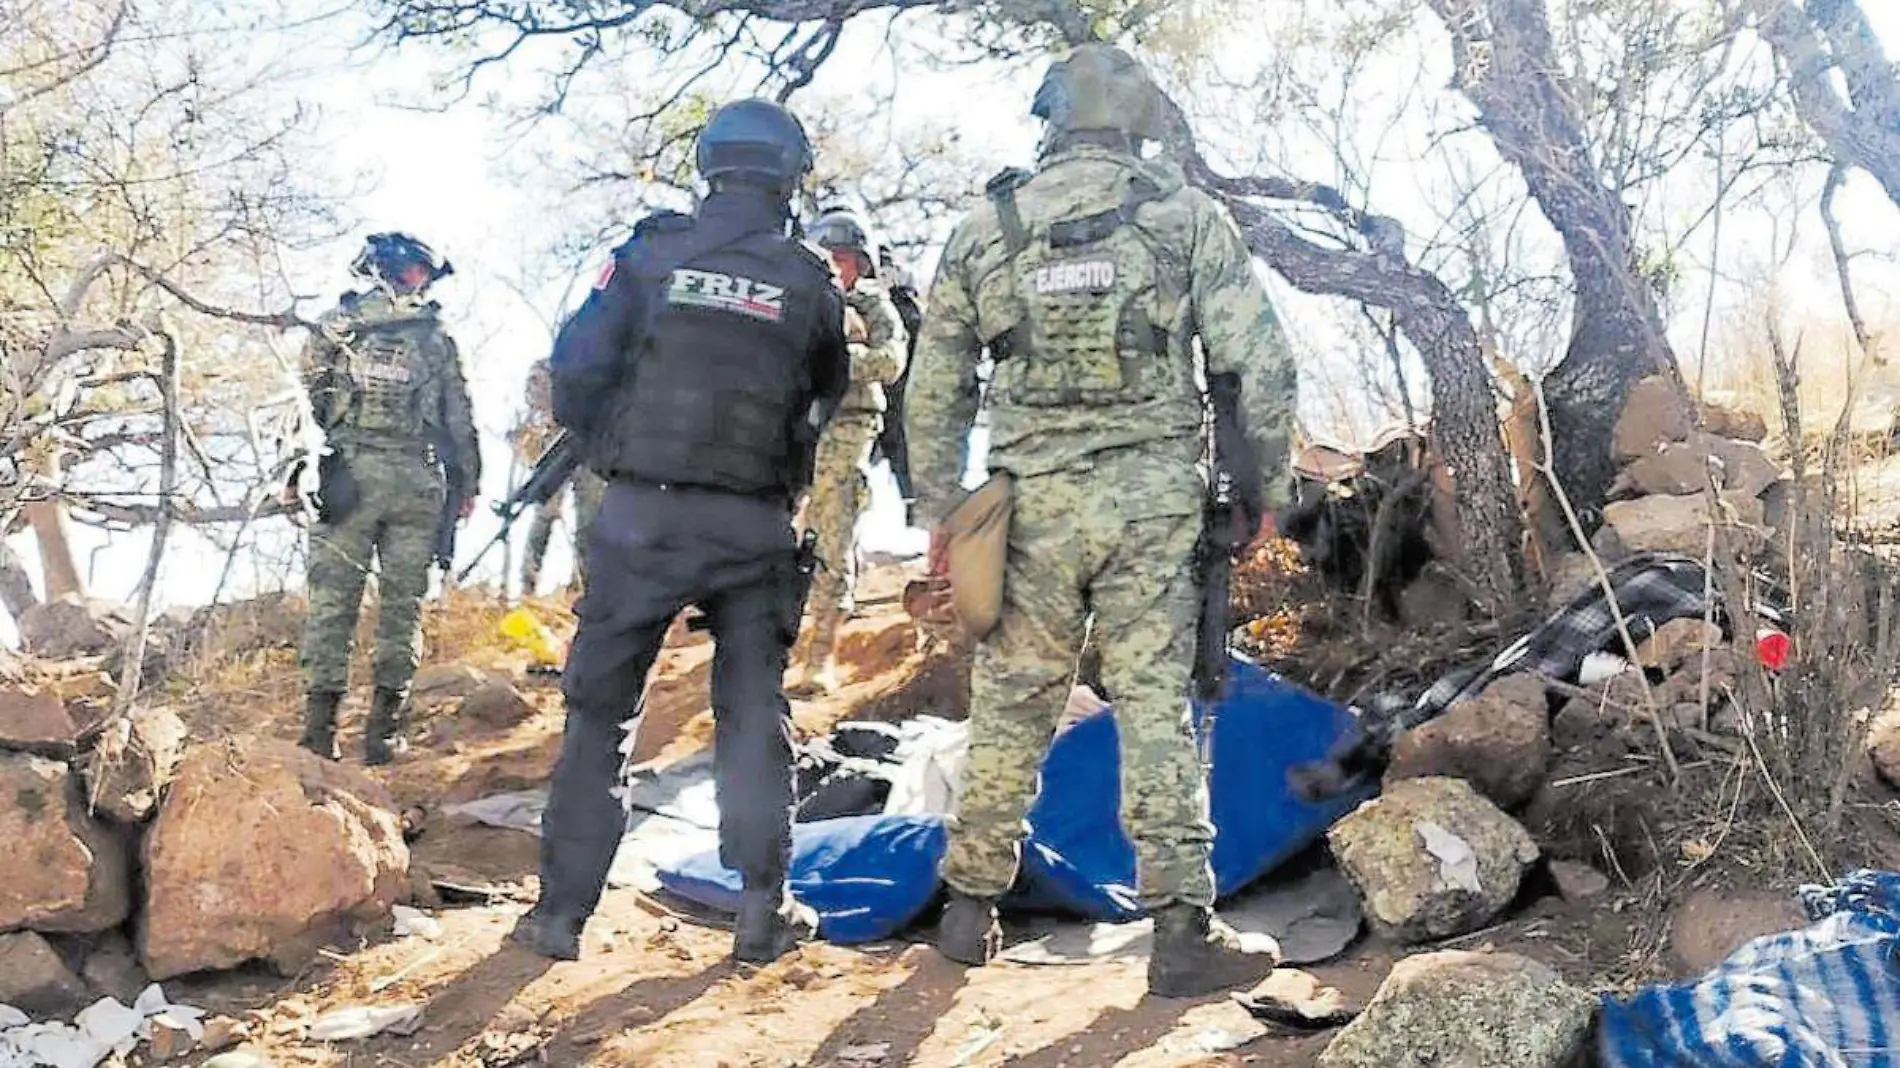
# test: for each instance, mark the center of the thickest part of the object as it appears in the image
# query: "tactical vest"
(1077, 330)
(393, 364)
(719, 393)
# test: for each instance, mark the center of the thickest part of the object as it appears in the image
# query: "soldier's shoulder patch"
(606, 273)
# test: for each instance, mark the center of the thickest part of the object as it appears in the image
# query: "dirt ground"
(654, 990)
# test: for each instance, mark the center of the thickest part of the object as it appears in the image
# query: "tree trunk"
(1508, 68)
(58, 567)
(1464, 407)
(1862, 130)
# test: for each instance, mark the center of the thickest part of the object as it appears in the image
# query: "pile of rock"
(133, 853)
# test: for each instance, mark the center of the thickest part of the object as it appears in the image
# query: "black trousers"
(651, 552)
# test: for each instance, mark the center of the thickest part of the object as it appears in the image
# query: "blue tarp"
(870, 876)
(1825, 997)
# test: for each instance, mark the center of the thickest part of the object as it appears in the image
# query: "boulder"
(264, 851)
(34, 720)
(1676, 524)
(1734, 423)
(1431, 858)
(133, 762)
(1883, 745)
(1710, 924)
(1654, 415)
(34, 979)
(1577, 881)
(112, 968)
(65, 870)
(1569, 575)
(498, 704)
(1679, 643)
(1684, 467)
(69, 628)
(1472, 1010)
(441, 683)
(1499, 742)
(223, 631)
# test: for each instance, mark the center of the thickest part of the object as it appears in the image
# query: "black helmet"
(754, 137)
(841, 228)
(384, 255)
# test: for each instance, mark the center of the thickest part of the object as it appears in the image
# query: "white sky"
(435, 174)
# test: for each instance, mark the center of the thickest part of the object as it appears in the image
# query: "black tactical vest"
(720, 391)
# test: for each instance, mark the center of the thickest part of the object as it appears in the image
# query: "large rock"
(1431, 858)
(1679, 642)
(264, 851)
(34, 720)
(1654, 415)
(1469, 1010)
(112, 968)
(63, 870)
(441, 683)
(1499, 742)
(1734, 422)
(132, 763)
(34, 979)
(497, 704)
(1883, 744)
(1678, 524)
(223, 631)
(1684, 467)
(1709, 925)
(68, 628)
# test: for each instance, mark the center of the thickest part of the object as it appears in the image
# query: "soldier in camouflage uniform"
(1088, 282)
(531, 440)
(386, 387)
(840, 491)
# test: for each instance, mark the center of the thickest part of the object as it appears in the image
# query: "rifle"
(448, 521)
(1229, 517)
(550, 473)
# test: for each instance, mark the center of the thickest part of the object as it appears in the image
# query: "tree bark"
(16, 586)
(1508, 68)
(1464, 406)
(59, 568)
(1863, 129)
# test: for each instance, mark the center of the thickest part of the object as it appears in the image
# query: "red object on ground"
(1773, 647)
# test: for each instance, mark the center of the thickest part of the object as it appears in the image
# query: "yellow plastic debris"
(526, 632)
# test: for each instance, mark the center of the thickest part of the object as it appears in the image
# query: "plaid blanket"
(1825, 997)
(1651, 590)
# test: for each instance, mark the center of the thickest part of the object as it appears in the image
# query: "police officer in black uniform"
(697, 374)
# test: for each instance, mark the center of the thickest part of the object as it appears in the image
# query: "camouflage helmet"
(753, 137)
(385, 254)
(841, 228)
(1099, 87)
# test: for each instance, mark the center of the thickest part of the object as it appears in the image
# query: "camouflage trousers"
(587, 489)
(393, 526)
(1110, 549)
(840, 493)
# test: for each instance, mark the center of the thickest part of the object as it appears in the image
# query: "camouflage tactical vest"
(393, 356)
(1085, 290)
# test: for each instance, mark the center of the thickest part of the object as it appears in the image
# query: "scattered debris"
(1473, 1010)
(1431, 858)
(107, 1028)
(365, 1021)
(415, 922)
(1293, 998)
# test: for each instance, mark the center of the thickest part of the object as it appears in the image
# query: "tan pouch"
(978, 533)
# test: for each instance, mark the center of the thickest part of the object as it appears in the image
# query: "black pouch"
(337, 492)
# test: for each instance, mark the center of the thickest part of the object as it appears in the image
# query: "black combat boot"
(551, 931)
(770, 924)
(319, 724)
(1196, 954)
(969, 933)
(382, 738)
